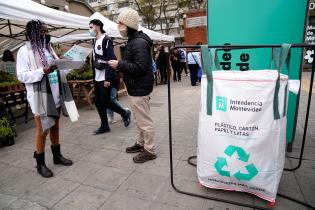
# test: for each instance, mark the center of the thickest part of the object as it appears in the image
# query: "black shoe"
(135, 148)
(126, 118)
(144, 157)
(41, 165)
(58, 158)
(101, 130)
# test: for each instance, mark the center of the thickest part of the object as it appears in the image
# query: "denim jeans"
(113, 97)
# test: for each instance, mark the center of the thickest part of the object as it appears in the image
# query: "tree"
(148, 9)
(152, 11)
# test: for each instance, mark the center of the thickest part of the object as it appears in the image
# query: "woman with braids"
(46, 92)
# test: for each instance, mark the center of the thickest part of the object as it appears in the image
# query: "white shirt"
(27, 75)
(193, 57)
(183, 56)
(99, 74)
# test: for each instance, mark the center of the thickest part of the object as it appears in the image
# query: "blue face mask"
(92, 33)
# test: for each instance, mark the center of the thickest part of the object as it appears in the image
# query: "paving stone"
(159, 167)
(122, 202)
(24, 205)
(6, 200)
(102, 156)
(9, 173)
(164, 151)
(305, 179)
(51, 192)
(108, 178)
(185, 170)
(160, 206)
(23, 184)
(80, 171)
(84, 198)
(168, 196)
(134, 186)
(123, 161)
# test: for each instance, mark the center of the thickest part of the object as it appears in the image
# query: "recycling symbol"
(309, 56)
(242, 156)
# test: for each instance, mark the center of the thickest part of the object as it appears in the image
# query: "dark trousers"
(183, 66)
(163, 72)
(177, 74)
(193, 68)
(103, 101)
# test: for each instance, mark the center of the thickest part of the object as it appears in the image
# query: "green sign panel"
(242, 22)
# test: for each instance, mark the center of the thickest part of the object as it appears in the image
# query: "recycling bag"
(242, 127)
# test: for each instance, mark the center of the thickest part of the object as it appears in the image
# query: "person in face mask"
(136, 67)
(42, 82)
(104, 77)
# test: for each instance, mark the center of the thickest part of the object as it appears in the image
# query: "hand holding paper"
(77, 53)
(65, 64)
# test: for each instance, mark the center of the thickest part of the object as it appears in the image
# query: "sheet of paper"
(65, 64)
(77, 53)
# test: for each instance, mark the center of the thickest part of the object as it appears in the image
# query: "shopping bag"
(242, 127)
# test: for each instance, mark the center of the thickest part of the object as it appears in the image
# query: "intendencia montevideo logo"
(238, 105)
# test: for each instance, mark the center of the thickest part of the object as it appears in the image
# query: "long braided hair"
(33, 35)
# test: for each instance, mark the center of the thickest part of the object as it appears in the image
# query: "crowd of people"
(180, 61)
(48, 91)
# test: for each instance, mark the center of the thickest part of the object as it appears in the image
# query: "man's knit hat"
(130, 18)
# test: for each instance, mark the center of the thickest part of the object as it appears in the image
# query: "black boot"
(102, 129)
(58, 158)
(41, 165)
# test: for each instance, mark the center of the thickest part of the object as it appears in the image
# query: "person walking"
(175, 62)
(162, 64)
(136, 67)
(194, 63)
(47, 90)
(103, 51)
(183, 61)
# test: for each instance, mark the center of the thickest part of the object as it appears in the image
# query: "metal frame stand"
(235, 47)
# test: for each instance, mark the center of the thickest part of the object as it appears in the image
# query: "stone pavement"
(104, 177)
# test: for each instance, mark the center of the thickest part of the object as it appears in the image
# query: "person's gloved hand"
(49, 69)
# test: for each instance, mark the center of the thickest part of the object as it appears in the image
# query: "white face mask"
(123, 30)
(92, 33)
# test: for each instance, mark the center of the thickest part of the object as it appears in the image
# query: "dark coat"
(136, 65)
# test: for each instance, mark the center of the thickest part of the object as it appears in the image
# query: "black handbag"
(98, 62)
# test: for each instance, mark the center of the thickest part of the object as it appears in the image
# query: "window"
(172, 20)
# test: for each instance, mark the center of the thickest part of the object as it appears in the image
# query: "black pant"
(183, 66)
(163, 72)
(193, 68)
(103, 101)
(177, 75)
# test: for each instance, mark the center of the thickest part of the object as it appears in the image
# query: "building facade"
(169, 17)
(78, 7)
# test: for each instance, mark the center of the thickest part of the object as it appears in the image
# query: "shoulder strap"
(195, 59)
